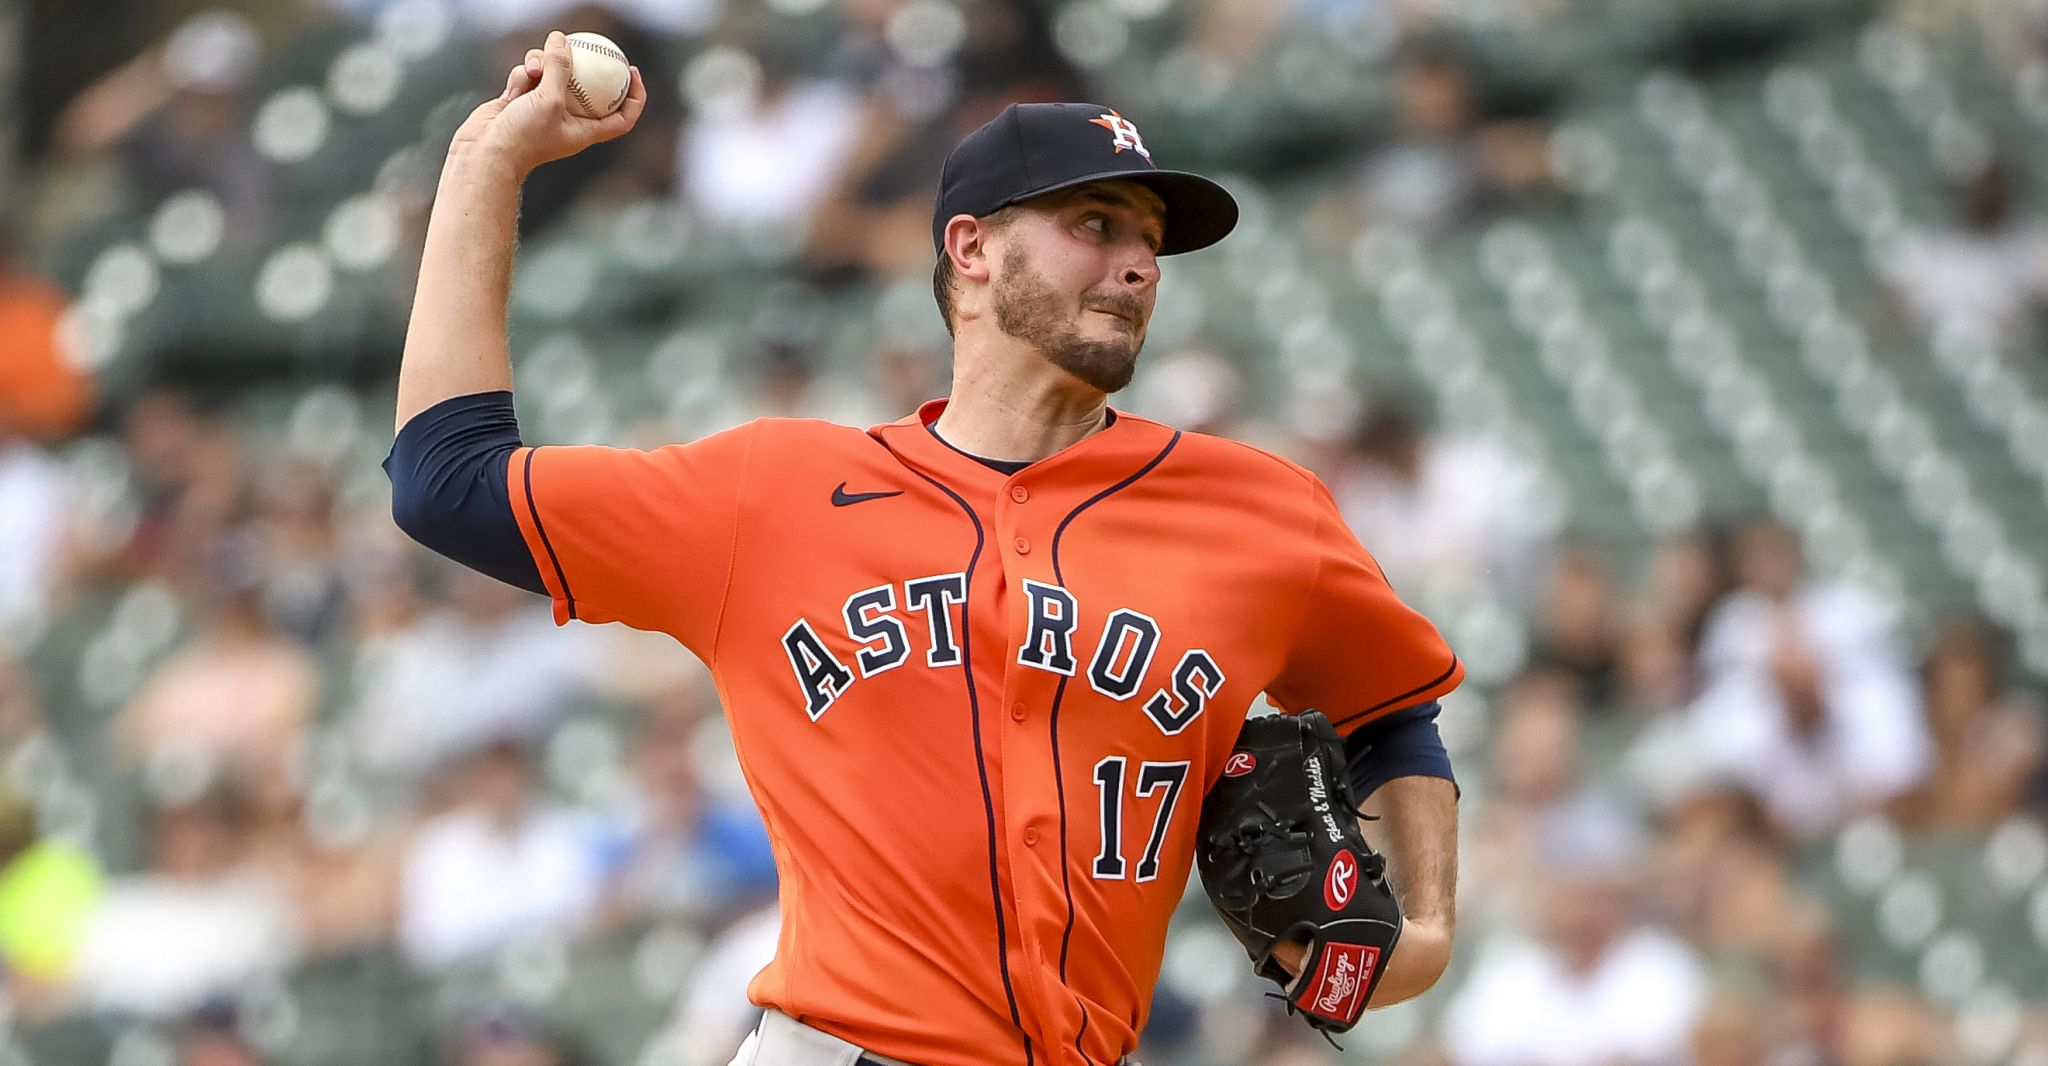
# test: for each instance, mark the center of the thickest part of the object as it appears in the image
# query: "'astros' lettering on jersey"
(979, 712)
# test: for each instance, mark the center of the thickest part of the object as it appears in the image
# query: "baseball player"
(982, 664)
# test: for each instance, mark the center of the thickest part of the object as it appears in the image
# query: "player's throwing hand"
(534, 121)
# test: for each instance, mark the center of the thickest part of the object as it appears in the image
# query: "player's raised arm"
(594, 528)
(455, 344)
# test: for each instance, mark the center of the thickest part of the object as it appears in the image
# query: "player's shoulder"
(1253, 468)
(774, 436)
(781, 430)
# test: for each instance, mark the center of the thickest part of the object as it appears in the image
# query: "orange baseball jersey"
(979, 712)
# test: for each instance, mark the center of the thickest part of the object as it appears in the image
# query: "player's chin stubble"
(1027, 308)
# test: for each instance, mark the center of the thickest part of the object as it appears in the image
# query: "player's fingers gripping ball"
(599, 75)
(1282, 859)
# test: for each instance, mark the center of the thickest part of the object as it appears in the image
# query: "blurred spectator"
(902, 377)
(499, 865)
(1731, 1032)
(1723, 876)
(239, 694)
(33, 524)
(789, 386)
(1198, 390)
(1810, 981)
(1577, 625)
(1599, 986)
(1689, 574)
(1428, 179)
(1449, 520)
(48, 890)
(212, 1036)
(507, 1035)
(21, 712)
(1986, 274)
(766, 150)
(1540, 797)
(44, 396)
(876, 218)
(201, 921)
(714, 1015)
(174, 119)
(186, 469)
(1805, 698)
(304, 590)
(675, 847)
(1891, 1026)
(1229, 33)
(1446, 166)
(1988, 739)
(488, 663)
(382, 573)
(338, 870)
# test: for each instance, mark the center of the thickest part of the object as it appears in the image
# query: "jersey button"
(1016, 712)
(1019, 493)
(1030, 836)
(1023, 546)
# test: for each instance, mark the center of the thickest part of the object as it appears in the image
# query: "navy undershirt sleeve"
(448, 488)
(1405, 743)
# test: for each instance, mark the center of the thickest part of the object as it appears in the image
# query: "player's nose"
(1142, 271)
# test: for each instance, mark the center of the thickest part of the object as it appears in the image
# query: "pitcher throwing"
(982, 664)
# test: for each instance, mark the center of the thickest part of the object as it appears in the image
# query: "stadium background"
(1595, 313)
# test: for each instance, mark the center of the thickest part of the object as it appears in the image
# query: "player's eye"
(1098, 223)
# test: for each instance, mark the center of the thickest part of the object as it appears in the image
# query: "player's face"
(1078, 276)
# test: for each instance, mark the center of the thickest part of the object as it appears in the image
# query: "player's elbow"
(418, 516)
(449, 489)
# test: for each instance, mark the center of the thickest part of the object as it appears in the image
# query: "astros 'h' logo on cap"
(1126, 133)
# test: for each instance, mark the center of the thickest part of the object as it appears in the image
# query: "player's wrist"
(483, 161)
(1417, 962)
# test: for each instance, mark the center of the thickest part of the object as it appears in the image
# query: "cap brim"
(1199, 212)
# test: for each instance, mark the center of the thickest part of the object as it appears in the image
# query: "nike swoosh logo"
(843, 498)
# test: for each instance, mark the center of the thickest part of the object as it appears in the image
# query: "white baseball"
(598, 74)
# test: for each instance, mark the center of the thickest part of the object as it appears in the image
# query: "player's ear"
(967, 244)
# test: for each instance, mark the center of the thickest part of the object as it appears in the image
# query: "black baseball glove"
(1283, 859)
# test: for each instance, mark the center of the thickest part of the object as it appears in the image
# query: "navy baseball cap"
(1033, 149)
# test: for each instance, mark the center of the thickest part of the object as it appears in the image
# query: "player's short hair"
(942, 271)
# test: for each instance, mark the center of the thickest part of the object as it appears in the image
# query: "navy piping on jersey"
(1397, 700)
(449, 491)
(1006, 467)
(988, 807)
(1059, 694)
(526, 474)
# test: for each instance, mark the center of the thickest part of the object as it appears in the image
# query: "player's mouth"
(1130, 320)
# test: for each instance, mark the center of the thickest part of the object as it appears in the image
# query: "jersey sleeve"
(1358, 652)
(641, 537)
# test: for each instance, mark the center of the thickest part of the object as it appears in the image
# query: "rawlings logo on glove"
(1283, 859)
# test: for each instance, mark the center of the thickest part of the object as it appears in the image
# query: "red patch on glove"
(1341, 978)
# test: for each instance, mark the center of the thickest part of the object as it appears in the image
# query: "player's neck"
(1016, 409)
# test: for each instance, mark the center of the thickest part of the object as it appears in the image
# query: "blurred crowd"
(246, 727)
